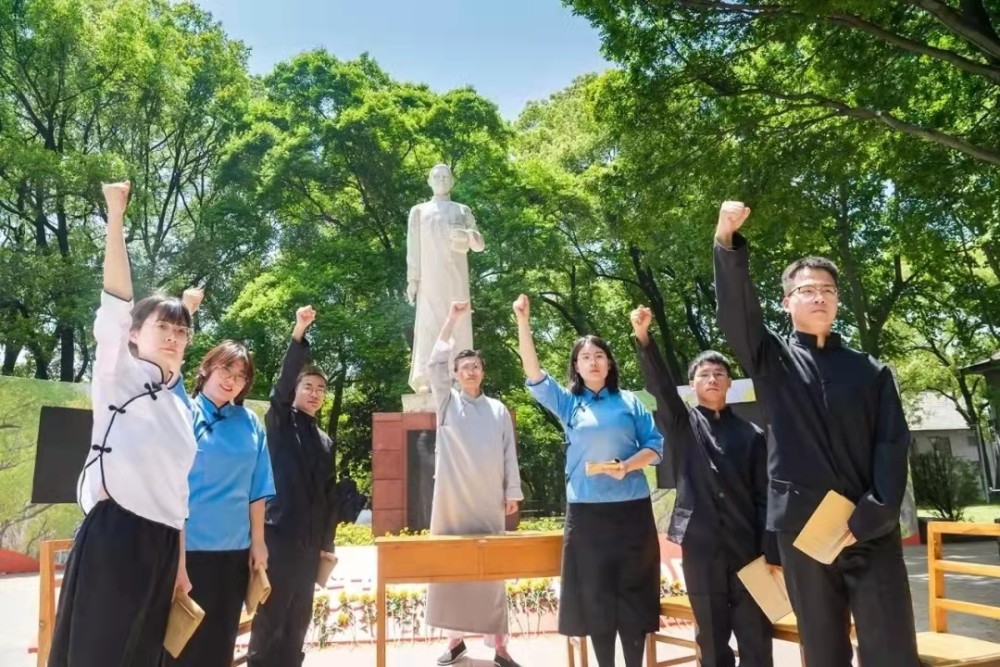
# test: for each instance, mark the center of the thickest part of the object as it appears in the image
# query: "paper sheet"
(826, 532)
(767, 588)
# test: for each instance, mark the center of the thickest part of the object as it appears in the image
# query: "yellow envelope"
(324, 571)
(599, 468)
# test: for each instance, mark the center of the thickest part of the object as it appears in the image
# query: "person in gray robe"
(476, 483)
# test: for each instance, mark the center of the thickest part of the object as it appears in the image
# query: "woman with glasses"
(610, 580)
(230, 482)
(128, 558)
(302, 517)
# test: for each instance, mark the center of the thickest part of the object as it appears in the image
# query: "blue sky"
(510, 51)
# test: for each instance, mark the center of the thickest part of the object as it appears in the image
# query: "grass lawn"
(973, 513)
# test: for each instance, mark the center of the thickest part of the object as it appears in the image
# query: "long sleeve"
(646, 434)
(511, 472)
(738, 307)
(439, 377)
(476, 243)
(283, 391)
(877, 513)
(661, 383)
(111, 327)
(553, 397)
(413, 246)
(262, 480)
(768, 540)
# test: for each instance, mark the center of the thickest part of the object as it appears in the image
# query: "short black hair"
(309, 370)
(709, 357)
(818, 263)
(576, 384)
(465, 354)
(164, 308)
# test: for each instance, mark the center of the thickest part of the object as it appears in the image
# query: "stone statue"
(439, 234)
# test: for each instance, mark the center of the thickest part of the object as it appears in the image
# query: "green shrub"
(944, 484)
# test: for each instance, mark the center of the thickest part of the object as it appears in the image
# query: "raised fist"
(522, 308)
(305, 316)
(116, 195)
(641, 318)
(458, 310)
(192, 299)
(732, 215)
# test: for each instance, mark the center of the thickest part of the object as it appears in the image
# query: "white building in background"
(935, 424)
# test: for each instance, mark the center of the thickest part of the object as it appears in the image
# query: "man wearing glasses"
(721, 503)
(302, 516)
(836, 424)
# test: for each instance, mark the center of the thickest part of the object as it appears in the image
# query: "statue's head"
(440, 179)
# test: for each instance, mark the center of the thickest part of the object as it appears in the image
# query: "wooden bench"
(938, 647)
(49, 582)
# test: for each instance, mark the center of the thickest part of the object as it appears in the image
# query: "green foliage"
(944, 483)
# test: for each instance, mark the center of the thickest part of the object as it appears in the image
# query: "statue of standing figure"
(439, 235)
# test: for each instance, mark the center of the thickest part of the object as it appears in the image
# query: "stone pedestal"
(403, 446)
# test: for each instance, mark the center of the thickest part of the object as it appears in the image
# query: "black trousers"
(281, 623)
(867, 580)
(116, 591)
(219, 585)
(722, 606)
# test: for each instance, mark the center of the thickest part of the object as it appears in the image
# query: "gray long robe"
(475, 472)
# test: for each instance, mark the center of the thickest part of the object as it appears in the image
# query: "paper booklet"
(601, 467)
(185, 617)
(825, 534)
(767, 588)
(258, 590)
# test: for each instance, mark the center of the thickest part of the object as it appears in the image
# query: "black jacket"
(721, 462)
(835, 415)
(303, 457)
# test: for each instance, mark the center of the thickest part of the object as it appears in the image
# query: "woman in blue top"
(230, 481)
(610, 580)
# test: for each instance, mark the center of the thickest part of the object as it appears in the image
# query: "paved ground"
(19, 618)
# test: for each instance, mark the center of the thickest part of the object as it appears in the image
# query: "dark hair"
(465, 354)
(709, 357)
(223, 355)
(818, 263)
(575, 381)
(164, 308)
(311, 370)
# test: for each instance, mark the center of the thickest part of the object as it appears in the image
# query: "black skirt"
(116, 592)
(219, 582)
(610, 570)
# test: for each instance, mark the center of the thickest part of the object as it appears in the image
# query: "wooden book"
(826, 533)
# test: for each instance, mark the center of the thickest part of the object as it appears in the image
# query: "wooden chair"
(938, 647)
(49, 582)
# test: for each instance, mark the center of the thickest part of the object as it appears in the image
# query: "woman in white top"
(127, 563)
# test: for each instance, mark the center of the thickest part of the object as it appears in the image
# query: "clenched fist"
(641, 318)
(116, 196)
(732, 215)
(522, 309)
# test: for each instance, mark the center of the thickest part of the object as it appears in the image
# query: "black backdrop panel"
(63, 444)
(419, 478)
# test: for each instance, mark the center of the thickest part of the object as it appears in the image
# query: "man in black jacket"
(837, 424)
(720, 507)
(302, 516)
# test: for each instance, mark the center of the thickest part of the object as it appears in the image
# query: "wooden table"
(438, 558)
